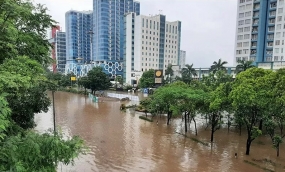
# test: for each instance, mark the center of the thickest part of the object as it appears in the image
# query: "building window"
(280, 10)
(245, 44)
(275, 58)
(247, 21)
(143, 22)
(240, 30)
(279, 18)
(246, 36)
(240, 22)
(239, 44)
(246, 29)
(278, 34)
(241, 1)
(277, 42)
(242, 7)
(239, 52)
(241, 15)
(276, 50)
(247, 14)
(248, 6)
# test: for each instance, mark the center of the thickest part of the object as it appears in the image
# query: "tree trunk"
(195, 126)
(248, 143)
(228, 123)
(213, 127)
(277, 150)
(185, 114)
(168, 117)
(260, 124)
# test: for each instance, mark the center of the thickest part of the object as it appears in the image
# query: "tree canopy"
(24, 54)
(147, 79)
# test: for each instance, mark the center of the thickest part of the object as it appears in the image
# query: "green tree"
(23, 30)
(98, 80)
(165, 99)
(169, 73)
(31, 99)
(169, 70)
(219, 102)
(187, 73)
(276, 119)
(147, 79)
(4, 117)
(217, 66)
(83, 81)
(251, 95)
(119, 79)
(243, 66)
(36, 152)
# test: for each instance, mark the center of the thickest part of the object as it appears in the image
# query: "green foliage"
(250, 97)
(98, 80)
(187, 73)
(169, 70)
(24, 53)
(23, 31)
(147, 79)
(119, 79)
(218, 66)
(38, 152)
(4, 117)
(26, 90)
(243, 66)
(84, 81)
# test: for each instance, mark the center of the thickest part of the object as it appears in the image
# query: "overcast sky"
(208, 26)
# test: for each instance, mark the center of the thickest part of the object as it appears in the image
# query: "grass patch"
(145, 118)
(194, 139)
(258, 166)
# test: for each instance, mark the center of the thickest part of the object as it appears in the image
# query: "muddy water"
(120, 141)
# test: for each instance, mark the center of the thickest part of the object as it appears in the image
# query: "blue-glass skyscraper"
(78, 38)
(108, 28)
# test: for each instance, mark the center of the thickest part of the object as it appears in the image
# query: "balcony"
(254, 30)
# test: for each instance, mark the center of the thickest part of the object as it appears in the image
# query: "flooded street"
(120, 141)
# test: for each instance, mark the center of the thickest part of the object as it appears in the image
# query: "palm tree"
(218, 66)
(188, 72)
(243, 66)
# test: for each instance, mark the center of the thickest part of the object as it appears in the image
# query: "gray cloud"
(208, 26)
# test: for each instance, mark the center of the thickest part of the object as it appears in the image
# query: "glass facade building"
(78, 25)
(60, 51)
(108, 20)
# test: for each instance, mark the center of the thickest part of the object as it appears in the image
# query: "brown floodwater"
(120, 141)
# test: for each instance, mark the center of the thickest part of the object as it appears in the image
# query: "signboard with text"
(158, 75)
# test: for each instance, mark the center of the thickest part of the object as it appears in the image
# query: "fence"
(120, 96)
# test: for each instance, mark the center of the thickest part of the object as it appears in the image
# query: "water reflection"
(120, 141)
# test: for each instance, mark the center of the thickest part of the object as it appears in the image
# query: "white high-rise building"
(151, 43)
(182, 59)
(260, 31)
